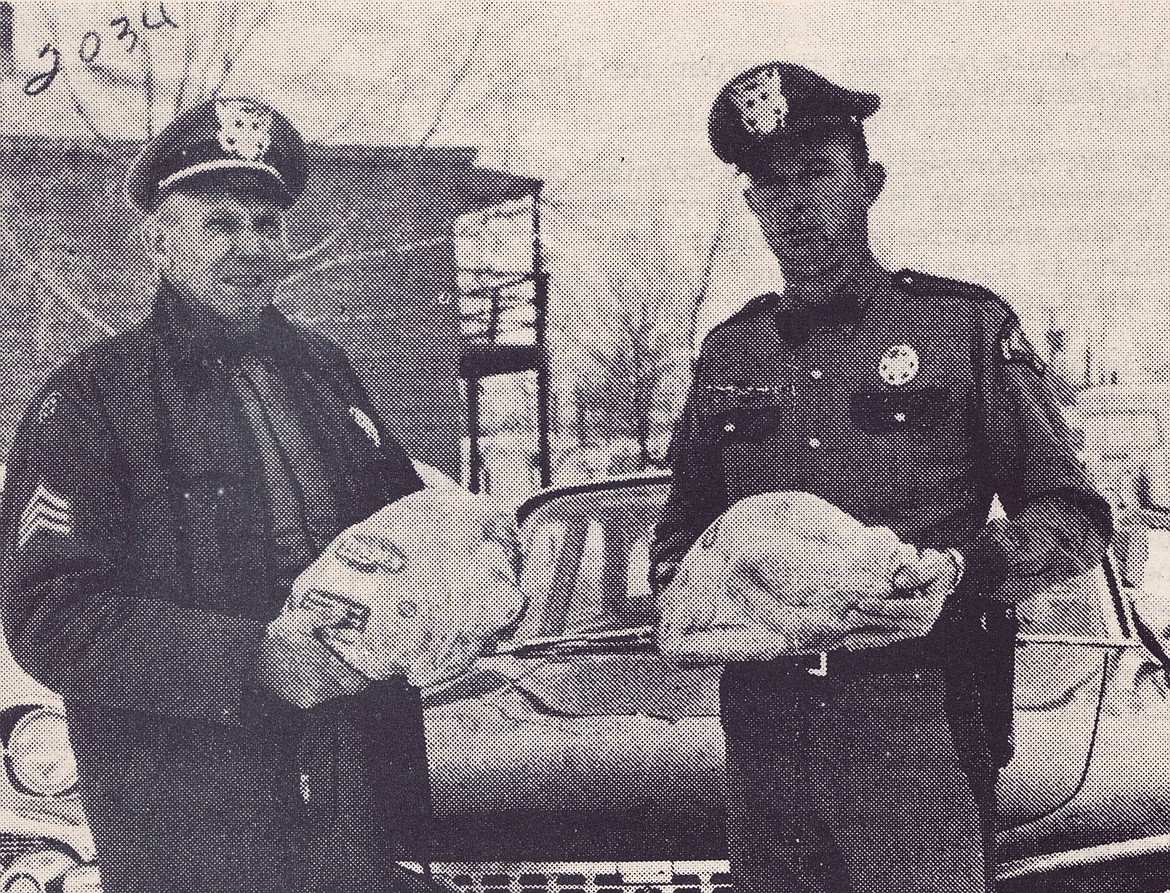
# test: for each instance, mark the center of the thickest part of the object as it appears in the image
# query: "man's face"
(813, 204)
(224, 251)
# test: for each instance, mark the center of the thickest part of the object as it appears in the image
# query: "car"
(45, 842)
(595, 766)
(601, 768)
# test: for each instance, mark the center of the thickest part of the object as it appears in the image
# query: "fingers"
(898, 609)
(311, 614)
(930, 568)
(916, 615)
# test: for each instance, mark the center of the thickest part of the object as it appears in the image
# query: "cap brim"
(237, 176)
(208, 172)
(760, 153)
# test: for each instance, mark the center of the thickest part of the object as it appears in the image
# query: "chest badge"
(898, 365)
(366, 424)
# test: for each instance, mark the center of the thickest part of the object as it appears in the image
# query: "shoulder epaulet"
(924, 285)
(758, 304)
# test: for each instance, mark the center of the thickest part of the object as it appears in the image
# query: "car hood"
(594, 685)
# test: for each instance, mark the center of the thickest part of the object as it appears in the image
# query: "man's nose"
(249, 242)
(782, 196)
(790, 197)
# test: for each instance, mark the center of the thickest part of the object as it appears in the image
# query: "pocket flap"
(886, 412)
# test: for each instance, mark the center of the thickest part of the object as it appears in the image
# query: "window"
(1073, 608)
(590, 558)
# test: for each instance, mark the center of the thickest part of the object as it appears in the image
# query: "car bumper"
(709, 876)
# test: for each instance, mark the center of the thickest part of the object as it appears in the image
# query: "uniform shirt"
(910, 405)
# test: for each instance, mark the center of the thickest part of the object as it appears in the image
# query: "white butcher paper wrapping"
(429, 583)
(779, 574)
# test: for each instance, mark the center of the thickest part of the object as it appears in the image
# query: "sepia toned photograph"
(584, 446)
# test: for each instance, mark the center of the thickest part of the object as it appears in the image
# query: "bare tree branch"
(722, 228)
(364, 102)
(232, 56)
(37, 273)
(105, 144)
(147, 60)
(404, 248)
(185, 75)
(460, 75)
(218, 33)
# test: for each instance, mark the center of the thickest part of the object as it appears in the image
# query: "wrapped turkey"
(780, 574)
(427, 584)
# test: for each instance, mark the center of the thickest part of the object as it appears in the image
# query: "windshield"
(591, 547)
(1076, 607)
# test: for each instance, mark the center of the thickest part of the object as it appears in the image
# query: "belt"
(901, 657)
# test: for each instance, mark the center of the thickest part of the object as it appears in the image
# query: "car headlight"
(37, 872)
(39, 753)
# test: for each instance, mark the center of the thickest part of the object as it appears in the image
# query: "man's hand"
(921, 586)
(295, 666)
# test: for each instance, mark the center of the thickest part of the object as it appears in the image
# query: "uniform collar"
(200, 349)
(797, 320)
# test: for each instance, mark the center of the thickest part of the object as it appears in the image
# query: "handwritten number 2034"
(91, 46)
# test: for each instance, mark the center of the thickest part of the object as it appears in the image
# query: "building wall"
(71, 272)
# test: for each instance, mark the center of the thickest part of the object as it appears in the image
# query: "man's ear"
(874, 176)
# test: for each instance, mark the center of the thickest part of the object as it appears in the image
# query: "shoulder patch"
(1014, 347)
(924, 285)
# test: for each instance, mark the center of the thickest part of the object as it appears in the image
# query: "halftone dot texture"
(1007, 166)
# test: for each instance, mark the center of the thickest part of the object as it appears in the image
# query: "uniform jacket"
(911, 406)
(138, 577)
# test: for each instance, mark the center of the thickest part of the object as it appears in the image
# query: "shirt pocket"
(893, 413)
(737, 414)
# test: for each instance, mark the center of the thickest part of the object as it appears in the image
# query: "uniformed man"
(908, 401)
(164, 490)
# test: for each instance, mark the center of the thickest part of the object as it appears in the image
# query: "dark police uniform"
(163, 491)
(911, 405)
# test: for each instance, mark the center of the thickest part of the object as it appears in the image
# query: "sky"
(1026, 142)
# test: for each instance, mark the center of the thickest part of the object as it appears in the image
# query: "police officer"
(909, 401)
(164, 489)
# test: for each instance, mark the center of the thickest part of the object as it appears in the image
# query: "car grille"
(13, 846)
(589, 877)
